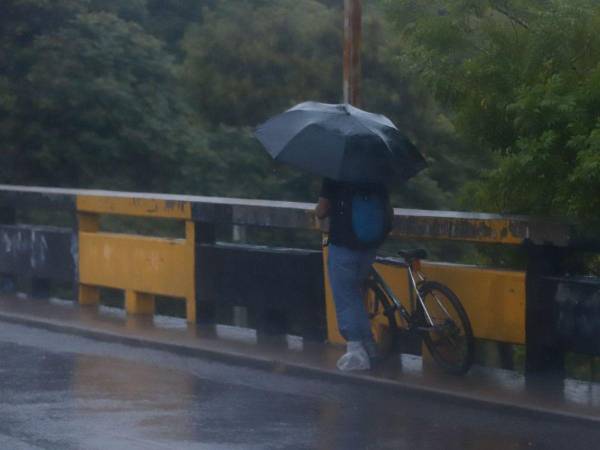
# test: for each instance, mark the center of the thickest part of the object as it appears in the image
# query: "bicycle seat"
(409, 255)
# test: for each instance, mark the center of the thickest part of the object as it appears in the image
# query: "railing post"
(191, 251)
(205, 307)
(543, 350)
(74, 253)
(88, 295)
(8, 216)
(139, 303)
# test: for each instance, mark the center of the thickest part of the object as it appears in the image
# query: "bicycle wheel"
(449, 338)
(382, 315)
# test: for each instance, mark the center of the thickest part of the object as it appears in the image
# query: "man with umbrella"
(350, 258)
(357, 153)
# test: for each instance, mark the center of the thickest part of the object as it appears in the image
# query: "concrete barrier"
(504, 306)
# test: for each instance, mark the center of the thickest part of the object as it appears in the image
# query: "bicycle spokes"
(447, 334)
(434, 312)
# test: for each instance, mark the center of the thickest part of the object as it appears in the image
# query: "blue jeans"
(348, 269)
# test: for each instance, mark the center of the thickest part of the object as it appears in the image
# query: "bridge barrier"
(505, 306)
(279, 289)
(576, 312)
(38, 253)
(142, 266)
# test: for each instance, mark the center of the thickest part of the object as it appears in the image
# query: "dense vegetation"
(520, 80)
(503, 96)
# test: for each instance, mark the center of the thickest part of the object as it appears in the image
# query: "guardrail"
(141, 266)
(504, 305)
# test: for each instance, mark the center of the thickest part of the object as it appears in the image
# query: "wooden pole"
(352, 39)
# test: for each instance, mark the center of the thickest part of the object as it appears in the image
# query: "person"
(348, 265)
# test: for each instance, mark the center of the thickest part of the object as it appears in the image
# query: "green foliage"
(249, 60)
(95, 104)
(519, 79)
(168, 20)
(389, 87)
(97, 93)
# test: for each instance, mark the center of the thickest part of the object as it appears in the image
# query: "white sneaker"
(355, 358)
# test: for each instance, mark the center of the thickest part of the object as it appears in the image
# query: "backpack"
(367, 212)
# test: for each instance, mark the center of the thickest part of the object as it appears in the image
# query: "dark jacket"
(340, 196)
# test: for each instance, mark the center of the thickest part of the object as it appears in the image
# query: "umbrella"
(340, 142)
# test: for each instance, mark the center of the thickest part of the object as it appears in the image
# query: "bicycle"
(436, 313)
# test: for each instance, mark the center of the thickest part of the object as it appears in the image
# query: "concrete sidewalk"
(486, 388)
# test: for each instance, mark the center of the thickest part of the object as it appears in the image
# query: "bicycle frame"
(413, 287)
(429, 318)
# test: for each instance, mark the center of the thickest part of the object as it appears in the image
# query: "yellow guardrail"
(493, 299)
(141, 266)
(145, 267)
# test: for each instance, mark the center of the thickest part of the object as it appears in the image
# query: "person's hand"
(322, 209)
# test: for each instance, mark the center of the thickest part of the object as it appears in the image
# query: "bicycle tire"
(456, 360)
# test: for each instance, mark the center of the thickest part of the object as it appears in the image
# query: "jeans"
(348, 269)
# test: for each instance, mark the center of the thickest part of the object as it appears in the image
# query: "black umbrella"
(340, 142)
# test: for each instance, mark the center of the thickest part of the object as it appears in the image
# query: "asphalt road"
(64, 392)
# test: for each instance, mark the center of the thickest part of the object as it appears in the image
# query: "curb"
(282, 367)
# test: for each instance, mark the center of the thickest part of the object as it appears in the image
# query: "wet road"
(65, 392)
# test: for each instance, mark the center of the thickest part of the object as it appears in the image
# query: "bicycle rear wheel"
(449, 338)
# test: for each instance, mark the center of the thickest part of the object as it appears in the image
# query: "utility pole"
(352, 38)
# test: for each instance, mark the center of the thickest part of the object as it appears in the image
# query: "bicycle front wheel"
(446, 328)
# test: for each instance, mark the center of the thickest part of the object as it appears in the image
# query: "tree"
(249, 60)
(88, 95)
(389, 87)
(518, 79)
(93, 102)
(166, 20)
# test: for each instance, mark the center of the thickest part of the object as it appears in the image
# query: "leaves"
(520, 79)
(248, 60)
(160, 95)
(97, 102)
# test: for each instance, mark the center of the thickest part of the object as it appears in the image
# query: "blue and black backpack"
(367, 211)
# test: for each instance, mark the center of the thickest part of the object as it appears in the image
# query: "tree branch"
(511, 16)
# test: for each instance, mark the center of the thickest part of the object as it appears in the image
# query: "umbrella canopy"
(340, 142)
